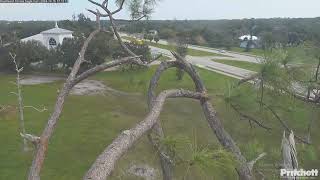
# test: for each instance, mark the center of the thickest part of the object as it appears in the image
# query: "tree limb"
(38, 160)
(249, 118)
(284, 125)
(37, 109)
(224, 138)
(20, 99)
(105, 163)
(253, 162)
(72, 80)
(101, 5)
(113, 26)
(32, 138)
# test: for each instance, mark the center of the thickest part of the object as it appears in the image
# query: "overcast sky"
(174, 9)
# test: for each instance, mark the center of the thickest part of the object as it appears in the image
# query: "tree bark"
(42, 146)
(105, 163)
(223, 137)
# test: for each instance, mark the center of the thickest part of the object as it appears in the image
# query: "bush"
(27, 53)
(98, 50)
(138, 48)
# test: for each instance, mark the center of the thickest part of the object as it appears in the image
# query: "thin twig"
(37, 109)
(249, 118)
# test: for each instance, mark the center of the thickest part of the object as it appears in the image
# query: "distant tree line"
(225, 33)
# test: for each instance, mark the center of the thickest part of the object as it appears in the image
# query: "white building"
(50, 38)
(244, 40)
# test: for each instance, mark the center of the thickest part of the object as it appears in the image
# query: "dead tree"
(165, 161)
(21, 106)
(105, 163)
(289, 153)
(214, 122)
(20, 101)
(73, 78)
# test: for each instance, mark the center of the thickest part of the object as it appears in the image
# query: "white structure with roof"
(248, 37)
(51, 38)
(244, 40)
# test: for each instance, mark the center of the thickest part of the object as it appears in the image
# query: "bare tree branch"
(32, 138)
(113, 26)
(72, 80)
(102, 6)
(106, 161)
(132, 20)
(155, 135)
(37, 109)
(289, 153)
(20, 100)
(284, 125)
(104, 66)
(210, 114)
(249, 118)
(37, 163)
(253, 162)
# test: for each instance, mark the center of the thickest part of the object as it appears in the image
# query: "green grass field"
(164, 58)
(241, 64)
(256, 52)
(89, 123)
(191, 52)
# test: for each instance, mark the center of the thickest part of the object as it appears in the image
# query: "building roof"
(37, 37)
(57, 30)
(248, 37)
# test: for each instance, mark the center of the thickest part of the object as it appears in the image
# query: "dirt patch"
(86, 87)
(89, 87)
(34, 80)
(144, 171)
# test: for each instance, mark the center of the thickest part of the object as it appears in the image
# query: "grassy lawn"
(257, 52)
(89, 123)
(191, 52)
(164, 58)
(297, 55)
(241, 64)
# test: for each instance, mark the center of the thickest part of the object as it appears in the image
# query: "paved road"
(231, 71)
(232, 55)
(209, 64)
